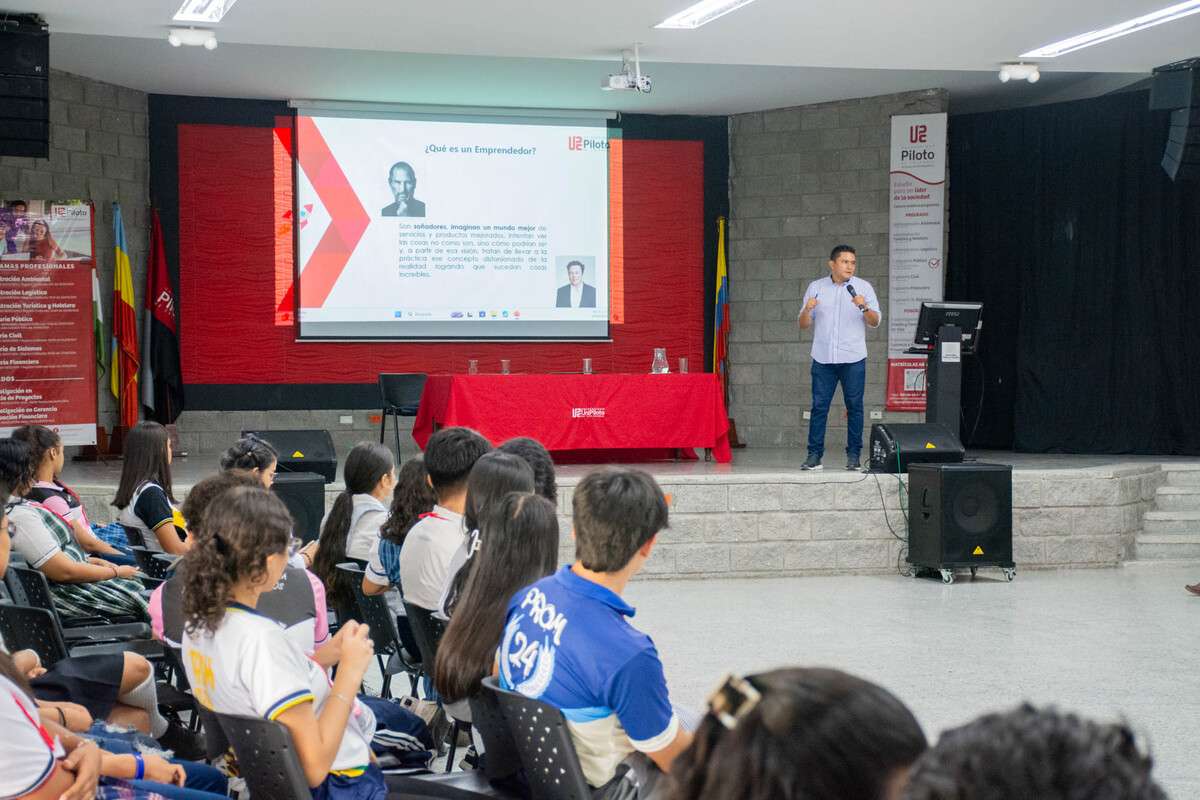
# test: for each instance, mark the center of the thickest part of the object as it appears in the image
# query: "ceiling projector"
(630, 78)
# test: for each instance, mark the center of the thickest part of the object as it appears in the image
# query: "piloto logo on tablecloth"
(592, 413)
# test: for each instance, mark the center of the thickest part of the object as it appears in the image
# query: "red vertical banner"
(47, 346)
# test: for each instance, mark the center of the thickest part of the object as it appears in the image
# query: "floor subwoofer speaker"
(960, 515)
(304, 495)
(303, 451)
(896, 445)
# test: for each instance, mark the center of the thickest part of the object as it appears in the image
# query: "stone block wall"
(801, 181)
(791, 524)
(98, 152)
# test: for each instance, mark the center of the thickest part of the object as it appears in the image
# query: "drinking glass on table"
(473, 366)
(683, 365)
(505, 366)
(587, 366)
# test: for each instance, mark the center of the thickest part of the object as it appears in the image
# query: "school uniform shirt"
(568, 642)
(38, 535)
(425, 557)
(148, 508)
(30, 753)
(250, 666)
(383, 569)
(367, 515)
(59, 499)
(839, 328)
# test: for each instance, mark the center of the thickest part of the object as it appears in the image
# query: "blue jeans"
(202, 781)
(825, 378)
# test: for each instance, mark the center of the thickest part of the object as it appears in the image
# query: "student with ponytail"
(240, 662)
(252, 456)
(353, 524)
(48, 456)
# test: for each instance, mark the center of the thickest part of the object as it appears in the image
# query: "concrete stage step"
(1177, 498)
(1154, 547)
(1165, 522)
(1182, 474)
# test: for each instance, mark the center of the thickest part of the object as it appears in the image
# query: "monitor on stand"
(945, 331)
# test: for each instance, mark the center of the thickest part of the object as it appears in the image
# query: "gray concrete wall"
(98, 152)
(801, 181)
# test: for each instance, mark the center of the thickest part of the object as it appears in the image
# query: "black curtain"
(1087, 258)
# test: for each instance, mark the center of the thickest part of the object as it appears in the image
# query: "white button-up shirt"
(839, 327)
(576, 296)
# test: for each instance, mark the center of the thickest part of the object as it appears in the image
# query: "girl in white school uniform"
(240, 662)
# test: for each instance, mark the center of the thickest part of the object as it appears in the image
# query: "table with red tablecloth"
(582, 412)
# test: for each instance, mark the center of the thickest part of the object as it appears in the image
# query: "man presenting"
(402, 180)
(576, 294)
(839, 309)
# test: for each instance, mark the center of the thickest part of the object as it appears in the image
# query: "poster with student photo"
(575, 276)
(39, 230)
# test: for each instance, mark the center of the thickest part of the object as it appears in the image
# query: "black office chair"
(373, 610)
(401, 394)
(267, 759)
(539, 732)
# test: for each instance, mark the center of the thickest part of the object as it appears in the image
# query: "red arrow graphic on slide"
(347, 218)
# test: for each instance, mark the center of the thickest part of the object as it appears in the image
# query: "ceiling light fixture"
(203, 12)
(1020, 72)
(1168, 14)
(192, 37)
(701, 13)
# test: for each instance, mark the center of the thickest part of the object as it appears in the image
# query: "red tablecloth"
(582, 412)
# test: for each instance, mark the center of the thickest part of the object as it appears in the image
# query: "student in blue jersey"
(569, 642)
(240, 662)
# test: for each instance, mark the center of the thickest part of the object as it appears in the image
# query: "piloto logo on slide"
(580, 143)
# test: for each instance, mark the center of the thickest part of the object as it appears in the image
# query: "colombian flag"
(721, 314)
(123, 366)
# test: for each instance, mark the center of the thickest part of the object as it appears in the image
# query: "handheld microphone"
(853, 293)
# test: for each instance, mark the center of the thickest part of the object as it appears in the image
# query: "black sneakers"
(812, 462)
(853, 464)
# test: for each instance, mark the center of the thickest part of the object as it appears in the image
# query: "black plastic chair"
(36, 629)
(427, 630)
(268, 760)
(373, 611)
(547, 753)
(401, 397)
(153, 563)
(501, 760)
(31, 588)
(133, 535)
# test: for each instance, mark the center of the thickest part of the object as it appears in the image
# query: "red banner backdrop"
(235, 254)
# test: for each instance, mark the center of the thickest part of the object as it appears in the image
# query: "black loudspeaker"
(960, 515)
(24, 86)
(894, 446)
(1176, 88)
(304, 495)
(303, 451)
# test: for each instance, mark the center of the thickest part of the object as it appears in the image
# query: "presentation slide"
(452, 228)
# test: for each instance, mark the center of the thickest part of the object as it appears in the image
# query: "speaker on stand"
(960, 515)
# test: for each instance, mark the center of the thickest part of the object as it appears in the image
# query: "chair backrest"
(266, 757)
(402, 391)
(373, 611)
(36, 629)
(542, 739)
(147, 563)
(133, 535)
(502, 762)
(427, 631)
(34, 587)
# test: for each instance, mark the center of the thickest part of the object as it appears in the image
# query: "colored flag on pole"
(162, 379)
(97, 326)
(721, 313)
(123, 364)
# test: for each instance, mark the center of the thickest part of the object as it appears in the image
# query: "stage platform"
(763, 516)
